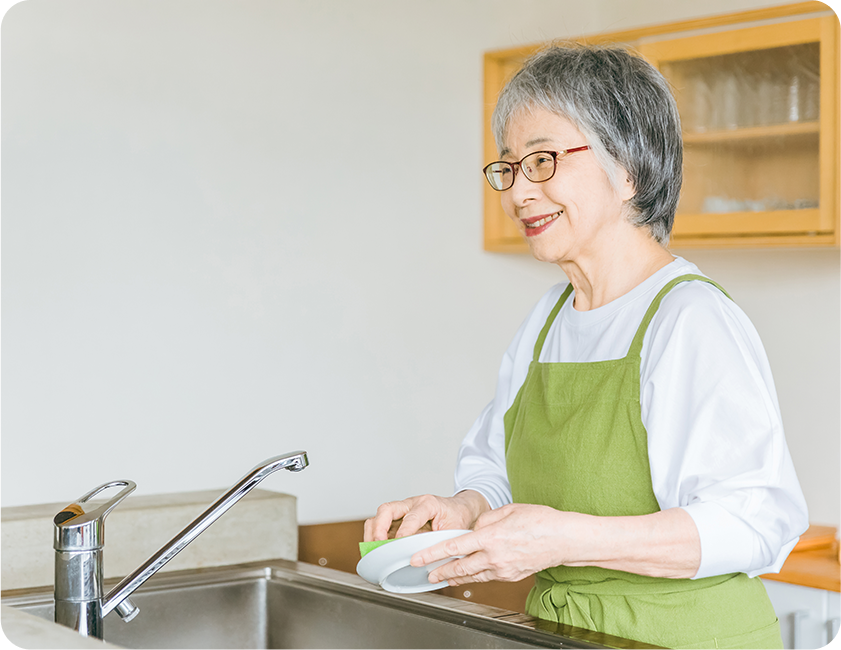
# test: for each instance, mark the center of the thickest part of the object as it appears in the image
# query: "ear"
(626, 187)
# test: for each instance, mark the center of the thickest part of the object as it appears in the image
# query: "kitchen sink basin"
(281, 604)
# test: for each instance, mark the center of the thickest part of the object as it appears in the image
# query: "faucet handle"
(78, 527)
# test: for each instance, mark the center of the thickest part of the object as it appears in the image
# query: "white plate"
(388, 565)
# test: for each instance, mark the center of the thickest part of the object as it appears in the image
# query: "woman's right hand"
(443, 513)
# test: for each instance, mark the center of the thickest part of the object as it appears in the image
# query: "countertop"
(817, 568)
(813, 563)
(27, 631)
(262, 526)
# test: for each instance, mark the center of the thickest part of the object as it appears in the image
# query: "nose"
(523, 190)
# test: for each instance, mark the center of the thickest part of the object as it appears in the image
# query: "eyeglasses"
(538, 167)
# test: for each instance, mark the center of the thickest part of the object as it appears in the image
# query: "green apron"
(575, 441)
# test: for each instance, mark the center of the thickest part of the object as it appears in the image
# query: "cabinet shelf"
(753, 133)
(762, 72)
(775, 222)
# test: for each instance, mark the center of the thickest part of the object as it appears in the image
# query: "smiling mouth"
(542, 222)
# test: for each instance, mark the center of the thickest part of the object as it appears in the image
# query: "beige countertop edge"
(29, 631)
(138, 502)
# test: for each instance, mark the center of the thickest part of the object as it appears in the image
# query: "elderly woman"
(633, 457)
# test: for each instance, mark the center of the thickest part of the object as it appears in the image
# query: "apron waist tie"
(550, 596)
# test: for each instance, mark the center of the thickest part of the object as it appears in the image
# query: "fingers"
(484, 576)
(481, 566)
(491, 517)
(377, 527)
(403, 518)
(473, 568)
(452, 572)
(462, 545)
(396, 525)
(501, 547)
(413, 522)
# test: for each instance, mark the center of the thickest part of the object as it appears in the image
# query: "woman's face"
(580, 210)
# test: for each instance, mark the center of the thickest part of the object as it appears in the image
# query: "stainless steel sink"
(281, 604)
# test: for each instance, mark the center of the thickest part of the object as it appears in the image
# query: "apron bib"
(575, 441)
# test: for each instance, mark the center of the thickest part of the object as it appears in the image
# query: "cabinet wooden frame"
(806, 22)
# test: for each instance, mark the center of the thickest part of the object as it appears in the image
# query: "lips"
(536, 225)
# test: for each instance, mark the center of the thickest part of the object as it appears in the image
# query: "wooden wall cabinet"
(758, 95)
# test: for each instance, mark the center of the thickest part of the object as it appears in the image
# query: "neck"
(602, 275)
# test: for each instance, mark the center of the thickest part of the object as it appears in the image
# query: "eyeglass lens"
(538, 167)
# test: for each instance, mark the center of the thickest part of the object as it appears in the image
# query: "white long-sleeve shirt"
(716, 444)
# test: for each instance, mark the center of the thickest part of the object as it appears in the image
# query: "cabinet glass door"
(751, 103)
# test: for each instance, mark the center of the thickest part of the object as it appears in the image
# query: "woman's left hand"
(518, 540)
(508, 544)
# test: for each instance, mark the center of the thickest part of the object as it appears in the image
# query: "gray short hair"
(625, 109)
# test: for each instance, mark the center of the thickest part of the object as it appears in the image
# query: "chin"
(544, 250)
(544, 254)
(552, 245)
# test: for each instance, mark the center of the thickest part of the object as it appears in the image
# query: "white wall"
(216, 247)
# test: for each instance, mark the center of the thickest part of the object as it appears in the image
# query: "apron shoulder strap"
(538, 346)
(636, 344)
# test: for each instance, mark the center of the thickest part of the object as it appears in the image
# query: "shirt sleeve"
(481, 457)
(481, 461)
(716, 443)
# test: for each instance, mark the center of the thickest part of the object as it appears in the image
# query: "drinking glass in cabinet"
(748, 89)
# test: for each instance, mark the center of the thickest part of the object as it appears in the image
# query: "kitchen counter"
(818, 568)
(261, 526)
(27, 631)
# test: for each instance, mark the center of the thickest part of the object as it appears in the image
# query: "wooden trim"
(497, 225)
(833, 130)
(817, 569)
(336, 545)
(813, 563)
(748, 39)
(493, 82)
(790, 241)
(829, 133)
(833, 56)
(734, 223)
(816, 536)
(629, 35)
(789, 129)
(505, 595)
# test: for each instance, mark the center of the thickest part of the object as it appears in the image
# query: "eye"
(500, 175)
(501, 170)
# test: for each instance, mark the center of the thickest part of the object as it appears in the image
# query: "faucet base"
(84, 617)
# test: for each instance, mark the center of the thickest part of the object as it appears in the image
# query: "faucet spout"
(294, 462)
(79, 538)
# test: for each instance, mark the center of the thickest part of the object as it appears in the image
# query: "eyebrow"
(505, 151)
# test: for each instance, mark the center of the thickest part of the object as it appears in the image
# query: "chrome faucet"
(79, 538)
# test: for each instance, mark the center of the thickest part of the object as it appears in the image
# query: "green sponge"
(367, 547)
